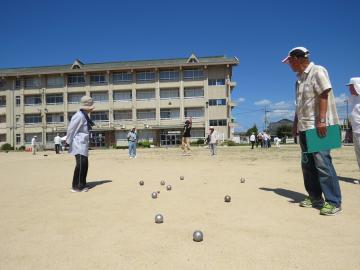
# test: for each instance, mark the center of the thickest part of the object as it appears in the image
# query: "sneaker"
(308, 202)
(85, 189)
(330, 210)
(74, 190)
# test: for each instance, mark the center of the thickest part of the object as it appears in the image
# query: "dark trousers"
(252, 145)
(80, 172)
(319, 174)
(57, 148)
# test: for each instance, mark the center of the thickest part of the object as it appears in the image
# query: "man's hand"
(321, 129)
(294, 131)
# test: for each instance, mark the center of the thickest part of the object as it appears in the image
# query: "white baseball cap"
(355, 81)
(297, 52)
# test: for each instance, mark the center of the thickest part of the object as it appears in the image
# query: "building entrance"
(170, 137)
(97, 139)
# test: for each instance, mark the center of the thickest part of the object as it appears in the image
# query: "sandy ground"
(44, 226)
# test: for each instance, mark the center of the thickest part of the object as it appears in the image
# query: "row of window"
(117, 77)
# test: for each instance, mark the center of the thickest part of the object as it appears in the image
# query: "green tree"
(251, 130)
(284, 130)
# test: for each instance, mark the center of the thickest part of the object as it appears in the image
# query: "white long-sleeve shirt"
(57, 140)
(78, 135)
(213, 137)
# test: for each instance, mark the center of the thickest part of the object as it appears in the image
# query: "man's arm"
(321, 120)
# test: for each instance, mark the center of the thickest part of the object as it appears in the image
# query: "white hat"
(211, 127)
(356, 83)
(297, 52)
(86, 103)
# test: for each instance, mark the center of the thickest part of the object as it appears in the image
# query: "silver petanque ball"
(242, 180)
(227, 198)
(154, 195)
(141, 183)
(159, 219)
(168, 187)
(198, 236)
(182, 178)
(162, 183)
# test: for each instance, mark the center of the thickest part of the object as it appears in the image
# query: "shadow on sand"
(295, 197)
(93, 184)
(347, 179)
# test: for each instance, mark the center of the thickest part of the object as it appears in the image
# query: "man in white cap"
(34, 144)
(315, 108)
(132, 139)
(213, 139)
(77, 138)
(354, 101)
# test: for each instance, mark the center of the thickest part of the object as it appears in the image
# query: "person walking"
(57, 141)
(77, 138)
(34, 144)
(252, 140)
(259, 140)
(354, 102)
(132, 139)
(315, 108)
(213, 140)
(185, 143)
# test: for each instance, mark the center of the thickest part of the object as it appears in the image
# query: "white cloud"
(262, 102)
(339, 100)
(240, 99)
(280, 114)
(282, 105)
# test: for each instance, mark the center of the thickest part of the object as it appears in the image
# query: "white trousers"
(356, 139)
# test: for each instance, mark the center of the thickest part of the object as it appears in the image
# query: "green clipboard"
(315, 143)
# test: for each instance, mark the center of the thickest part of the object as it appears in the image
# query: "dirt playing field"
(45, 226)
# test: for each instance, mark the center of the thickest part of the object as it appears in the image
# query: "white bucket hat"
(86, 103)
(356, 83)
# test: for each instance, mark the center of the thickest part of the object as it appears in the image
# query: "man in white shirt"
(252, 140)
(354, 102)
(132, 139)
(57, 141)
(34, 145)
(213, 141)
(315, 108)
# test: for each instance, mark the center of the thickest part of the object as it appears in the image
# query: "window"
(53, 118)
(145, 94)
(145, 114)
(169, 114)
(32, 83)
(197, 133)
(55, 81)
(216, 81)
(122, 77)
(17, 84)
(76, 79)
(3, 118)
(169, 93)
(218, 122)
(194, 112)
(18, 101)
(217, 102)
(3, 101)
(100, 97)
(195, 92)
(18, 138)
(169, 75)
(2, 137)
(122, 95)
(32, 118)
(29, 136)
(54, 99)
(100, 116)
(145, 76)
(98, 79)
(74, 98)
(32, 100)
(122, 115)
(70, 115)
(2, 84)
(193, 74)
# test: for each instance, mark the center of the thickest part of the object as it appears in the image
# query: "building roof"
(122, 65)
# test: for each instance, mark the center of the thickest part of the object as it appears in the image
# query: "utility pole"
(347, 113)
(265, 117)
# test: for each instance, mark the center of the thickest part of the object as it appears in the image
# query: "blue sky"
(259, 33)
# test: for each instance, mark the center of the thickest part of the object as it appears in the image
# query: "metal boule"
(159, 219)
(168, 187)
(227, 198)
(141, 183)
(154, 195)
(182, 178)
(198, 236)
(242, 180)
(162, 183)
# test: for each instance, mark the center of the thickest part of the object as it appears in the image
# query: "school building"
(155, 96)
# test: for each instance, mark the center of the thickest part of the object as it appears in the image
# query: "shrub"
(230, 143)
(22, 148)
(145, 144)
(7, 147)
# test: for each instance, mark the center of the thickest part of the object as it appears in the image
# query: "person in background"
(213, 139)
(34, 144)
(132, 139)
(252, 140)
(57, 141)
(354, 102)
(259, 140)
(77, 138)
(185, 145)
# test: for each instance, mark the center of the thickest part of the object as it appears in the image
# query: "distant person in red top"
(185, 144)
